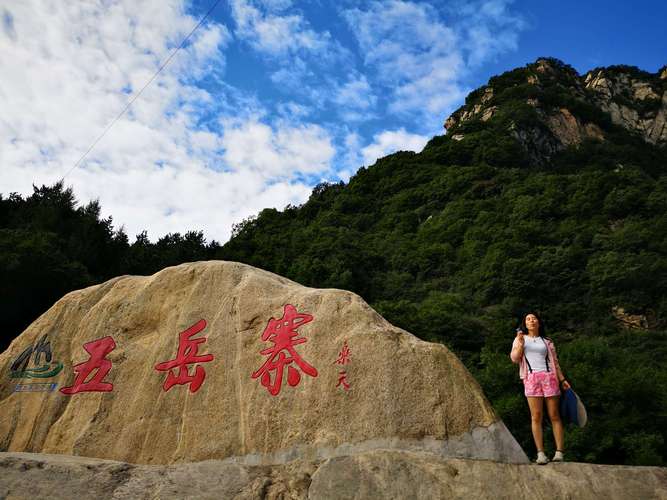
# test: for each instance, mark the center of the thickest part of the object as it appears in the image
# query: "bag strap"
(530, 368)
(546, 356)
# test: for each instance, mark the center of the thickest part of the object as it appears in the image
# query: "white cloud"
(422, 59)
(279, 154)
(414, 54)
(276, 34)
(276, 5)
(306, 63)
(432, 93)
(173, 198)
(490, 29)
(354, 100)
(391, 141)
(70, 68)
(351, 159)
(356, 93)
(291, 77)
(391, 34)
(193, 155)
(292, 111)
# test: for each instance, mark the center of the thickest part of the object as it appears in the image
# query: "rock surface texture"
(616, 95)
(351, 382)
(370, 475)
(548, 107)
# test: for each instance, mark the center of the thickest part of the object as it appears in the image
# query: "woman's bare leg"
(556, 423)
(536, 404)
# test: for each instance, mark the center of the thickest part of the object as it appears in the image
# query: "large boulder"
(215, 360)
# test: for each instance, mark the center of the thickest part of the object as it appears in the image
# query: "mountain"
(547, 192)
(542, 172)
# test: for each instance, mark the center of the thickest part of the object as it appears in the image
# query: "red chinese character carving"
(187, 355)
(343, 358)
(344, 355)
(98, 349)
(343, 380)
(282, 332)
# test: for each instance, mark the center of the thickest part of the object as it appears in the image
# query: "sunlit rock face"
(219, 360)
(548, 107)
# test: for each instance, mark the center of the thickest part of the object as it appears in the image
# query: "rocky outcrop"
(632, 102)
(212, 360)
(571, 131)
(634, 321)
(627, 97)
(477, 111)
(559, 130)
(538, 143)
(370, 475)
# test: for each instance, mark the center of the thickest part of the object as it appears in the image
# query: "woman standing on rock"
(541, 375)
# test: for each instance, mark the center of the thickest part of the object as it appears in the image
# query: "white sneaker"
(558, 457)
(541, 458)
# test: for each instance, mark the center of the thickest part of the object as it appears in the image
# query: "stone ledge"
(369, 475)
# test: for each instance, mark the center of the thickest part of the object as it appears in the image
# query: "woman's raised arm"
(517, 348)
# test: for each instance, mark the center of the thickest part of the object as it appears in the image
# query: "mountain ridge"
(633, 99)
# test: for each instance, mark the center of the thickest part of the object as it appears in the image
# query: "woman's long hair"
(524, 328)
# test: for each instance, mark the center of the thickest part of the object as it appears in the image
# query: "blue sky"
(270, 97)
(590, 34)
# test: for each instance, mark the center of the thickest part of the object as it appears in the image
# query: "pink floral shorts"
(541, 384)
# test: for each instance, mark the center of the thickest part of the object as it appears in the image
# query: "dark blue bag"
(572, 410)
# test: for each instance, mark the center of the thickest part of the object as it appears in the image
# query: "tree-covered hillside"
(537, 198)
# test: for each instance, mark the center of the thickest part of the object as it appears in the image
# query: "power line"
(136, 96)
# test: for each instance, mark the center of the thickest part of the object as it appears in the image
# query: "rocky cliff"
(213, 360)
(547, 106)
